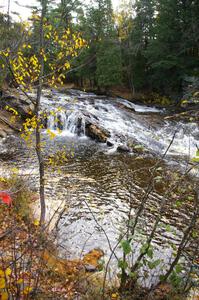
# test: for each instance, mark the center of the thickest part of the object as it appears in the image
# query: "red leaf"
(5, 197)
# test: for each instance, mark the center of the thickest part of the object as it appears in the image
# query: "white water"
(145, 125)
(102, 180)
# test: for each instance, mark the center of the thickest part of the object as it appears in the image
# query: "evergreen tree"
(108, 71)
(141, 35)
(124, 23)
(171, 53)
(104, 55)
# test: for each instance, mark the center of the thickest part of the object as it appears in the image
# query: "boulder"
(123, 149)
(90, 268)
(79, 126)
(97, 133)
(109, 143)
(17, 101)
(127, 108)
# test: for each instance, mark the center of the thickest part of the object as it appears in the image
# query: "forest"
(147, 46)
(99, 150)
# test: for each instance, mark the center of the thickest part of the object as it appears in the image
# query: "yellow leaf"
(15, 170)
(2, 180)
(19, 281)
(2, 283)
(27, 290)
(114, 296)
(2, 273)
(36, 222)
(4, 296)
(8, 272)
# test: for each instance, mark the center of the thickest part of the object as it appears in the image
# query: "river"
(100, 186)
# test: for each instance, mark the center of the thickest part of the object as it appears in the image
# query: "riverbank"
(37, 272)
(189, 100)
(15, 107)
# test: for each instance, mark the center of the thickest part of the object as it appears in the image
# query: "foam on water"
(123, 124)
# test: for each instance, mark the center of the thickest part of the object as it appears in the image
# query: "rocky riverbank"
(15, 107)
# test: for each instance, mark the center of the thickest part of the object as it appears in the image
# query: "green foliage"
(152, 46)
(11, 32)
(123, 265)
(108, 71)
(154, 264)
(150, 252)
(102, 63)
(126, 246)
(153, 49)
(196, 158)
(176, 279)
(168, 54)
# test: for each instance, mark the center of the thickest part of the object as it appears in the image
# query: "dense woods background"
(143, 46)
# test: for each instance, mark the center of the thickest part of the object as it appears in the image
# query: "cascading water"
(124, 120)
(93, 178)
(73, 122)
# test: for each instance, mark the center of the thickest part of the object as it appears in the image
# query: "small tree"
(33, 66)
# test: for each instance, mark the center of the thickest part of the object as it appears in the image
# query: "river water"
(100, 187)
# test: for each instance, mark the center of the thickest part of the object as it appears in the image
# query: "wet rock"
(109, 143)
(128, 108)
(89, 117)
(139, 149)
(90, 268)
(17, 101)
(59, 123)
(3, 134)
(120, 138)
(7, 147)
(79, 128)
(91, 259)
(97, 133)
(123, 149)
(44, 120)
(100, 107)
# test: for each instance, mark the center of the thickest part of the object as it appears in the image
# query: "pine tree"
(171, 53)
(103, 57)
(124, 23)
(141, 35)
(108, 71)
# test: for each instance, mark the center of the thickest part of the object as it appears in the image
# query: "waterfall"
(125, 121)
(71, 122)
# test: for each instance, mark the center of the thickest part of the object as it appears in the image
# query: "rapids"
(100, 187)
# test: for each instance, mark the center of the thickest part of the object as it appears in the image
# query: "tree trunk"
(37, 111)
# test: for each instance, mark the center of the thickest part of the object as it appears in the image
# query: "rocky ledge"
(16, 100)
(97, 133)
(14, 108)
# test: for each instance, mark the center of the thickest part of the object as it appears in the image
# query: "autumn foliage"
(6, 198)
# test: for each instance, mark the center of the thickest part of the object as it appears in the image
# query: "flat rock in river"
(97, 133)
